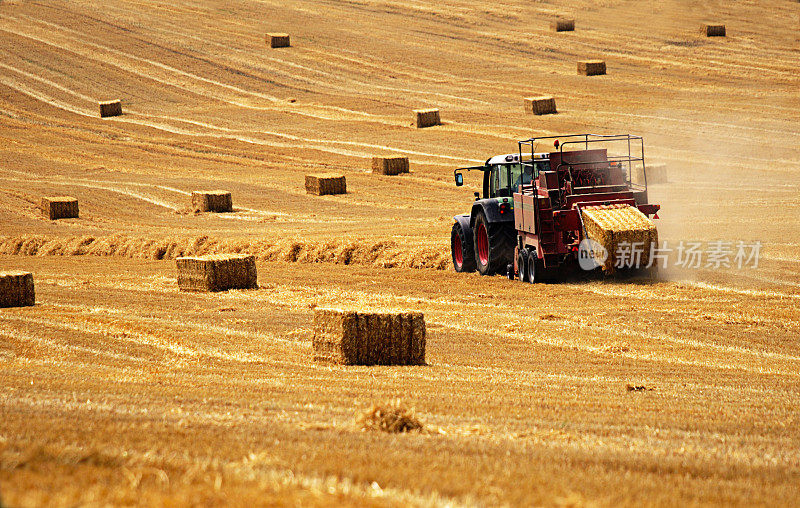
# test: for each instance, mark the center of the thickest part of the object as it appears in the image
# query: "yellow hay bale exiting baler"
(622, 230)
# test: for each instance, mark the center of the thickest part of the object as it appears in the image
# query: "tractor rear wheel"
(533, 276)
(462, 249)
(494, 245)
(522, 266)
(536, 272)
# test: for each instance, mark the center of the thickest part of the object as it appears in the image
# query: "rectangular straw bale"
(60, 207)
(713, 30)
(110, 108)
(217, 272)
(390, 165)
(426, 118)
(540, 105)
(278, 40)
(563, 25)
(611, 224)
(326, 183)
(591, 67)
(16, 289)
(212, 201)
(350, 337)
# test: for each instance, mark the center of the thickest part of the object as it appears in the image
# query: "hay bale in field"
(217, 272)
(563, 25)
(540, 105)
(326, 183)
(611, 225)
(369, 338)
(60, 207)
(390, 165)
(277, 40)
(713, 30)
(110, 108)
(426, 118)
(212, 201)
(656, 173)
(591, 67)
(16, 289)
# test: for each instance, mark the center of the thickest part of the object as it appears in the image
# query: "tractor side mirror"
(459, 179)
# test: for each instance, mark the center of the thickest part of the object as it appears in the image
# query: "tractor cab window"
(506, 179)
(520, 175)
(499, 183)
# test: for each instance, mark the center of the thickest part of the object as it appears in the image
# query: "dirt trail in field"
(118, 389)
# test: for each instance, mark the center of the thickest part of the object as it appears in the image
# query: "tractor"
(527, 223)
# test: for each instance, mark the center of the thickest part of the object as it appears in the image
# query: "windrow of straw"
(369, 338)
(612, 225)
(384, 254)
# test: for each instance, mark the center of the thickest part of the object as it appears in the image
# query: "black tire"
(522, 266)
(535, 268)
(494, 245)
(462, 250)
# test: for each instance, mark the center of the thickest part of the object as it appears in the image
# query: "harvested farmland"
(118, 389)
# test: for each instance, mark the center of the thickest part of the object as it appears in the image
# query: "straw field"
(120, 389)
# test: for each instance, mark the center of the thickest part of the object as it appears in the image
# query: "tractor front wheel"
(462, 249)
(494, 245)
